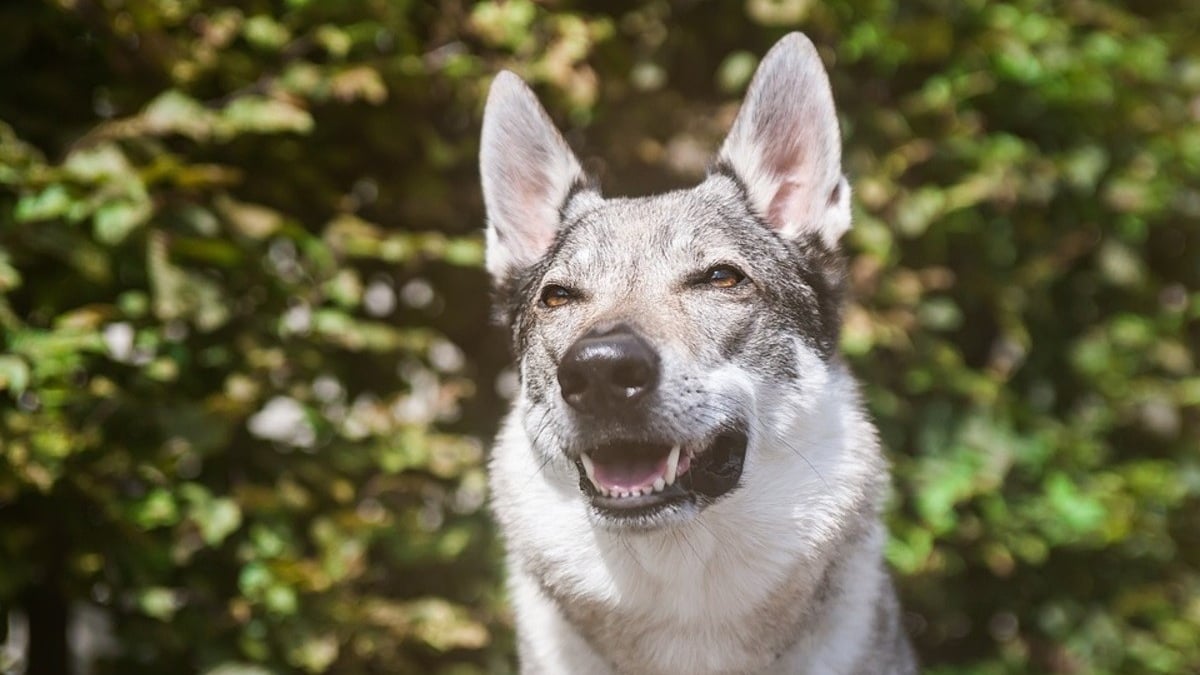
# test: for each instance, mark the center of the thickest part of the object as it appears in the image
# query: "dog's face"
(659, 339)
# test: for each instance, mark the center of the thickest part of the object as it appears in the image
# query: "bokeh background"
(247, 375)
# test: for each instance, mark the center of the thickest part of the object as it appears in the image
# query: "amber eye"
(724, 276)
(555, 296)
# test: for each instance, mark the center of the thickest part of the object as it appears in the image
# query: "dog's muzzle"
(607, 378)
(635, 481)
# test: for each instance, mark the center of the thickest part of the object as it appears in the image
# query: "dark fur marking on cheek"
(776, 356)
(540, 388)
(802, 283)
(763, 343)
(537, 391)
(824, 271)
(737, 339)
(510, 302)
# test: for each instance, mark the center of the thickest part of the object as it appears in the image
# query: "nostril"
(631, 374)
(571, 382)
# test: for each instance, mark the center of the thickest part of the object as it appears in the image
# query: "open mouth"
(633, 479)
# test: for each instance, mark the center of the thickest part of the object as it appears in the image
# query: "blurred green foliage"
(246, 385)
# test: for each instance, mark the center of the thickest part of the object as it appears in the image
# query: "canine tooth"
(590, 469)
(672, 464)
(659, 484)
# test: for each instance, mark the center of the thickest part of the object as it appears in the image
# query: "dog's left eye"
(724, 276)
(555, 296)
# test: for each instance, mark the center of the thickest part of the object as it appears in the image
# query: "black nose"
(607, 372)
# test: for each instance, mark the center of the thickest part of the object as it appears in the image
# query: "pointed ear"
(786, 147)
(528, 172)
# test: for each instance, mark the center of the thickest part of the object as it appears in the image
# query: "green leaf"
(117, 219)
(156, 509)
(160, 603)
(257, 114)
(315, 653)
(217, 519)
(1080, 513)
(51, 202)
(100, 163)
(239, 669)
(252, 220)
(10, 277)
(264, 31)
(465, 252)
(174, 112)
(734, 73)
(14, 373)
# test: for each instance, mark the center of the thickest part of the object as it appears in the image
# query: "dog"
(687, 481)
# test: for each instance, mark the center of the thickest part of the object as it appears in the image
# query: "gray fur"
(784, 573)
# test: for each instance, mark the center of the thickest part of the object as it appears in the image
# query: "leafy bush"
(247, 385)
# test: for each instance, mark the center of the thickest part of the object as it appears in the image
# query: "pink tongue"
(628, 473)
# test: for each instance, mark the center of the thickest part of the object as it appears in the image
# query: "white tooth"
(623, 493)
(672, 464)
(590, 469)
(659, 484)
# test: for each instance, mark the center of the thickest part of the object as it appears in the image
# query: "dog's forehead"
(674, 229)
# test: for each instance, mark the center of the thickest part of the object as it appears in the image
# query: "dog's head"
(661, 341)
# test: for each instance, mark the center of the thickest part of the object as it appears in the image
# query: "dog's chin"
(635, 485)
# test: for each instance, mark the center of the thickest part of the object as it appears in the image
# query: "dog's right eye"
(724, 276)
(555, 296)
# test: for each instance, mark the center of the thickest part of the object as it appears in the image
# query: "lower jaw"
(618, 506)
(649, 513)
(615, 509)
